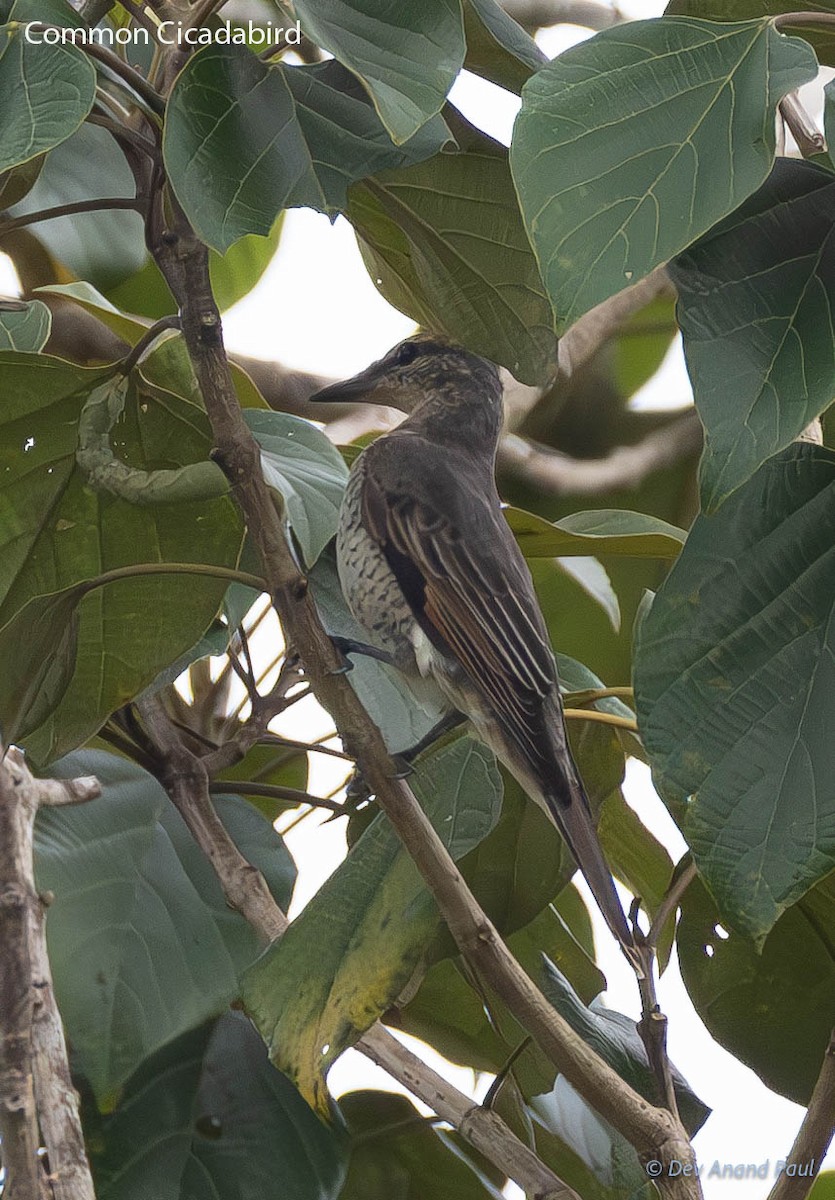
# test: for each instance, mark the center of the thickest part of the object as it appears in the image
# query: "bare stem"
(70, 210)
(813, 1137)
(604, 718)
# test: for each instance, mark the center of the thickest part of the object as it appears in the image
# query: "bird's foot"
(347, 646)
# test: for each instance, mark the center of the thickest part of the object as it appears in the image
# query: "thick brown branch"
(654, 1133)
(37, 1100)
(625, 468)
(813, 1138)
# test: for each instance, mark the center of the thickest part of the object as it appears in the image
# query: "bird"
(431, 572)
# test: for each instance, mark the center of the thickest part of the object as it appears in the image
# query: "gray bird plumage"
(432, 572)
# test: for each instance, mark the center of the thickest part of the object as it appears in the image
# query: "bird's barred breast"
(371, 591)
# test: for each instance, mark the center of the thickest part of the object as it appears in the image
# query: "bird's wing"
(464, 577)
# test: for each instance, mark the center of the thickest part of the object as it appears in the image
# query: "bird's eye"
(406, 354)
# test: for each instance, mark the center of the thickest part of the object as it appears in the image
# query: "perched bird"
(433, 574)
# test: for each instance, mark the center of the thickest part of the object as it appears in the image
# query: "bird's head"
(424, 368)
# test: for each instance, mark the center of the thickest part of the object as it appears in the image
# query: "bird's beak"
(359, 389)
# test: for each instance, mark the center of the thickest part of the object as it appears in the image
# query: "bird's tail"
(572, 815)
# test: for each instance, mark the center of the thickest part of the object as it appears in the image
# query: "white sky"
(317, 309)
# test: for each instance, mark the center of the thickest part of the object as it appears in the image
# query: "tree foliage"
(708, 586)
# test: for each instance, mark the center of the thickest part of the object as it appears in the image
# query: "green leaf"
(404, 709)
(406, 56)
(615, 1037)
(103, 247)
(789, 985)
(208, 1116)
(243, 139)
(142, 943)
(497, 47)
(307, 471)
(395, 1152)
(25, 326)
(734, 681)
(600, 530)
(820, 35)
(757, 313)
(45, 94)
(445, 243)
(352, 950)
(614, 180)
(91, 300)
(57, 533)
(829, 118)
(15, 184)
(38, 646)
(233, 275)
(824, 1187)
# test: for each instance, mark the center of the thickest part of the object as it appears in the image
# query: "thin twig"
(604, 718)
(122, 134)
(802, 18)
(274, 791)
(146, 341)
(813, 1137)
(670, 902)
(805, 132)
(70, 210)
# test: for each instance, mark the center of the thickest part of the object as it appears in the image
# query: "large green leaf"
(407, 56)
(394, 1153)
(307, 471)
(735, 677)
(352, 950)
(45, 94)
(631, 145)
(597, 531)
(142, 943)
(24, 326)
(103, 247)
(57, 532)
(208, 1116)
(773, 1009)
(243, 140)
(819, 33)
(497, 47)
(757, 312)
(445, 243)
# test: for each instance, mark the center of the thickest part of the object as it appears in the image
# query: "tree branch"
(184, 777)
(654, 1133)
(815, 1134)
(540, 14)
(70, 210)
(624, 469)
(37, 1099)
